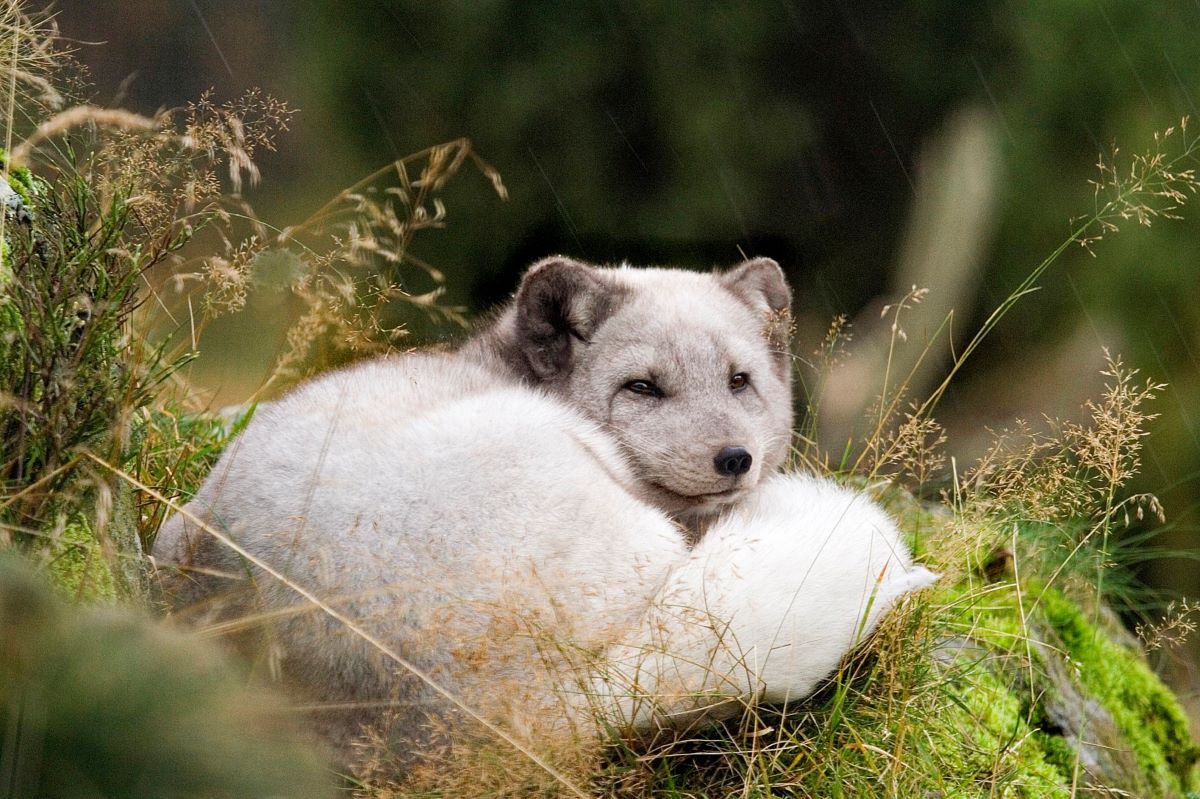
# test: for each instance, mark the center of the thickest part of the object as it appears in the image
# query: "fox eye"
(739, 381)
(644, 387)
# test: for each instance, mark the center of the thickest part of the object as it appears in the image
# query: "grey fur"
(582, 333)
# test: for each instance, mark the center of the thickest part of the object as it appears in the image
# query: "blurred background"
(866, 146)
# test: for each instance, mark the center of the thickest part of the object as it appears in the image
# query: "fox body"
(514, 528)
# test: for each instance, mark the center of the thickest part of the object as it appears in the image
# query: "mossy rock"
(1081, 711)
(105, 566)
(78, 567)
(16, 195)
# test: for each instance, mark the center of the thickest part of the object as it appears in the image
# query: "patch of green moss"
(20, 178)
(1143, 708)
(991, 733)
(78, 568)
(1003, 687)
(988, 731)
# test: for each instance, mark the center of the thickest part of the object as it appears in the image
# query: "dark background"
(864, 145)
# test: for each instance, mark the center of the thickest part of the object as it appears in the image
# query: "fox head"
(690, 373)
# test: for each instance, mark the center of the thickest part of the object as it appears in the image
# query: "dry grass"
(134, 237)
(356, 253)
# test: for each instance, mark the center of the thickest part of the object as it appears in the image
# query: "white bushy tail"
(764, 608)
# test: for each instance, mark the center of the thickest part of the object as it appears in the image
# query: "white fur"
(443, 518)
(497, 535)
(767, 604)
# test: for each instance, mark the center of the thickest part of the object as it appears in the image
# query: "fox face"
(689, 373)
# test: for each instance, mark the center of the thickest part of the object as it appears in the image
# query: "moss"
(22, 182)
(989, 730)
(1142, 707)
(20, 178)
(77, 565)
(1034, 664)
(992, 728)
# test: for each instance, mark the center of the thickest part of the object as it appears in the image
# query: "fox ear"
(560, 303)
(760, 284)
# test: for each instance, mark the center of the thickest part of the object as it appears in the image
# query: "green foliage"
(84, 392)
(71, 371)
(61, 368)
(174, 451)
(99, 702)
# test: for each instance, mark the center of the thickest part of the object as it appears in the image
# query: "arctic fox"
(578, 513)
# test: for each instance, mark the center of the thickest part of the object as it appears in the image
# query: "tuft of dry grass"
(1150, 185)
(1072, 469)
(1175, 627)
(355, 255)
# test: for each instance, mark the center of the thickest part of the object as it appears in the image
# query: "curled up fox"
(577, 517)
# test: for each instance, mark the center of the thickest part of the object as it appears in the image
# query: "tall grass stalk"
(1148, 186)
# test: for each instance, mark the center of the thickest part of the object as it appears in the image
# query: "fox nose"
(733, 461)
